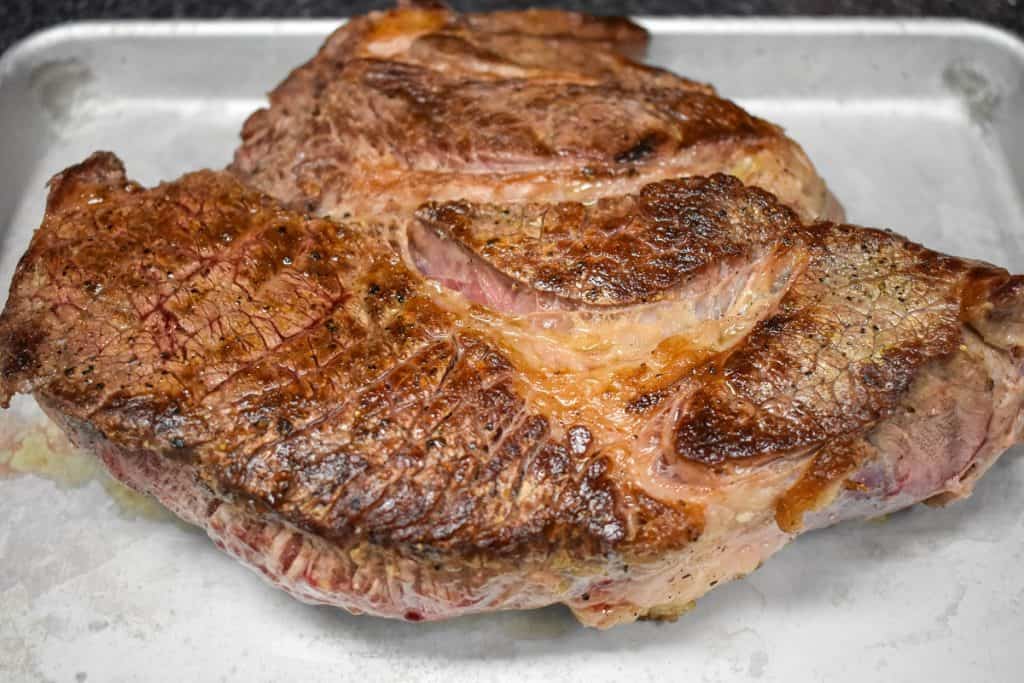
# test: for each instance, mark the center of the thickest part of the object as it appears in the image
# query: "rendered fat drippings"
(38, 447)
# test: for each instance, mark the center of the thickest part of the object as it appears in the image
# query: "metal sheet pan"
(917, 125)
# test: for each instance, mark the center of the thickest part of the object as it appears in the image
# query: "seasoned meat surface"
(615, 404)
(413, 105)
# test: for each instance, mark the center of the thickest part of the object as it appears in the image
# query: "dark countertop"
(18, 18)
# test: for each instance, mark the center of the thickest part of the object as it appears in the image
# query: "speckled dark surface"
(18, 18)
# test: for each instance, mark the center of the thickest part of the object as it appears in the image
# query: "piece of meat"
(433, 415)
(417, 104)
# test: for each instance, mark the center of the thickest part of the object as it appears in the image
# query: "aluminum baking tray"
(917, 125)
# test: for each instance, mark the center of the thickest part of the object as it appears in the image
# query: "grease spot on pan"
(64, 90)
(980, 96)
(38, 447)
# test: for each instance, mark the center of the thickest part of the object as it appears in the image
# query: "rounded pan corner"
(991, 33)
(45, 38)
(802, 24)
(25, 49)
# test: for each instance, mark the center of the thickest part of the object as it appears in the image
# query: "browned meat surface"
(615, 404)
(416, 104)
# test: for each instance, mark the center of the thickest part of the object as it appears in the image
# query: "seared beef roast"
(453, 334)
(474, 407)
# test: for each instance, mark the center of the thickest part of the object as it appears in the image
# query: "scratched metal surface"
(916, 125)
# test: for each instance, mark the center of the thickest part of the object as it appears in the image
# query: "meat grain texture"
(486, 315)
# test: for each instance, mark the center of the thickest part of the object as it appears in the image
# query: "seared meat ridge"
(432, 416)
(413, 105)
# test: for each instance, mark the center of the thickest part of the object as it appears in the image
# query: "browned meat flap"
(424, 104)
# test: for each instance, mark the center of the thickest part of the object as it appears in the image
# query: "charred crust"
(639, 151)
(836, 331)
(773, 325)
(620, 251)
(19, 358)
(646, 402)
(656, 526)
(102, 169)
